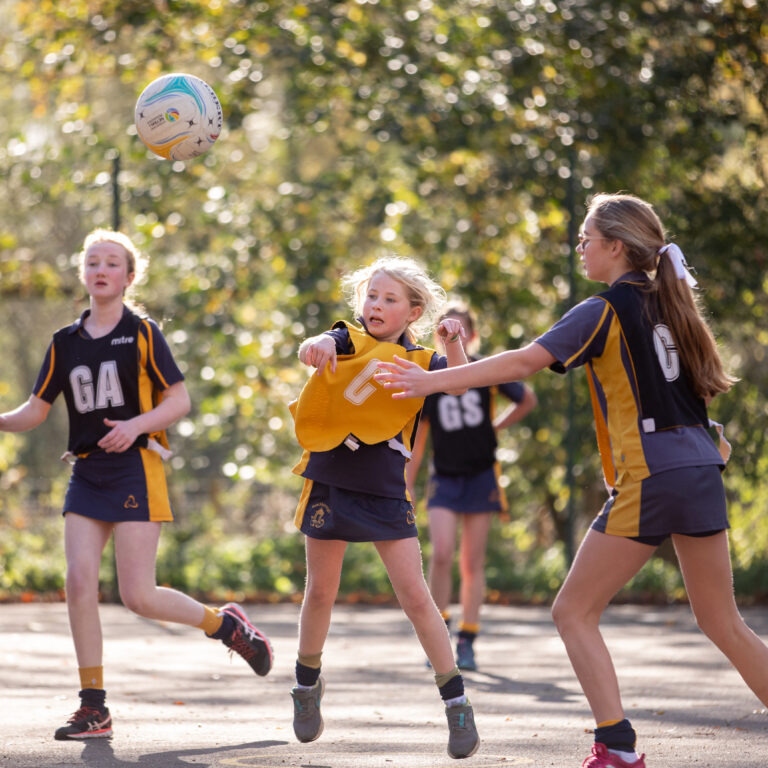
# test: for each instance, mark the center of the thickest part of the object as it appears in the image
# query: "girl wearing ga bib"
(122, 389)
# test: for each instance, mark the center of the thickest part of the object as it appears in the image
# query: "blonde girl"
(356, 442)
(122, 389)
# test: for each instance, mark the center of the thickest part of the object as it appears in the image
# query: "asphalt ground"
(178, 699)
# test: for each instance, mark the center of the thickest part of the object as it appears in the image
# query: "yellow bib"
(334, 405)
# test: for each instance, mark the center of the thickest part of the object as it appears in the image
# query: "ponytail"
(634, 222)
(680, 308)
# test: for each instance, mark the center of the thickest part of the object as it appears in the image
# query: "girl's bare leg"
(442, 536)
(602, 566)
(324, 561)
(84, 542)
(402, 559)
(474, 541)
(706, 566)
(136, 556)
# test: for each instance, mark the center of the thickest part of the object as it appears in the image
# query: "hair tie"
(679, 263)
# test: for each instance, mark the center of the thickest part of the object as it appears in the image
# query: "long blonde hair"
(421, 290)
(634, 222)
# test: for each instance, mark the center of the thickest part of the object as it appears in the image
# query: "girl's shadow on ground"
(98, 753)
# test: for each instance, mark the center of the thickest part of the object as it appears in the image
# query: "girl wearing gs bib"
(463, 492)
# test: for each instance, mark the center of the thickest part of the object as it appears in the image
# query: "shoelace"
(240, 645)
(83, 713)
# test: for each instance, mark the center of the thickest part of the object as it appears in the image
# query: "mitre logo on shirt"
(122, 340)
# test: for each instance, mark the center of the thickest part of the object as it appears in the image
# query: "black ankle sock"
(93, 697)
(452, 689)
(466, 635)
(306, 675)
(226, 628)
(621, 736)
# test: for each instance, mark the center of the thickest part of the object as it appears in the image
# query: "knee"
(137, 601)
(566, 614)
(320, 594)
(559, 613)
(416, 601)
(442, 557)
(81, 585)
(721, 631)
(472, 568)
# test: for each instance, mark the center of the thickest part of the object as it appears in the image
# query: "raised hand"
(451, 330)
(319, 351)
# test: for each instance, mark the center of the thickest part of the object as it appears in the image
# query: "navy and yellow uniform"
(657, 455)
(464, 471)
(117, 377)
(356, 442)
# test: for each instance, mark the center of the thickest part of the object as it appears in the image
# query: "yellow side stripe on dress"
(157, 489)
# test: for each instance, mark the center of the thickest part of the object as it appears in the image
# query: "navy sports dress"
(356, 442)
(658, 457)
(117, 376)
(464, 472)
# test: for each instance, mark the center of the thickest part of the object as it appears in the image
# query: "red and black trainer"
(86, 723)
(247, 641)
(602, 757)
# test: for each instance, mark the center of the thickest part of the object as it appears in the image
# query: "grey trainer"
(463, 740)
(307, 720)
(465, 655)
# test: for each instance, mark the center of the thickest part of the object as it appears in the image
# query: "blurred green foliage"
(467, 133)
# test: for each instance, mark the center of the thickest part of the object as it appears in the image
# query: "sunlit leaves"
(453, 131)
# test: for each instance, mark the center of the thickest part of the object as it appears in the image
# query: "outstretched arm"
(27, 416)
(413, 381)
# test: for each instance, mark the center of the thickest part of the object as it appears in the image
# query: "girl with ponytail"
(652, 367)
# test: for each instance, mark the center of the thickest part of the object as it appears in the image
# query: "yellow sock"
(211, 621)
(91, 677)
(467, 627)
(311, 660)
(441, 680)
(606, 723)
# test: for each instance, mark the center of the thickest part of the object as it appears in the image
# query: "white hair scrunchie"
(679, 263)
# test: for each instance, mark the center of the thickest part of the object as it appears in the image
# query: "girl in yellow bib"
(356, 442)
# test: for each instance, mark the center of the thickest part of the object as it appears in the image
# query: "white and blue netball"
(178, 116)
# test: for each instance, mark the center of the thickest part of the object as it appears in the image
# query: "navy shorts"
(327, 512)
(467, 494)
(119, 487)
(687, 500)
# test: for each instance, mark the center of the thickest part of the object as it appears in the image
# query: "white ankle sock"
(459, 701)
(627, 757)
